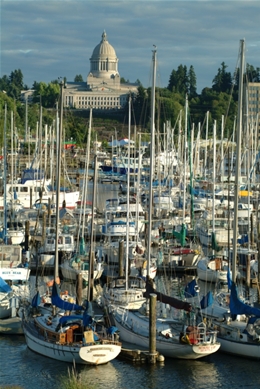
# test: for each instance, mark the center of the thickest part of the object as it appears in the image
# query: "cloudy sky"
(48, 39)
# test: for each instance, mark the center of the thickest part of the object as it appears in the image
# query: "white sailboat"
(75, 337)
(239, 330)
(175, 337)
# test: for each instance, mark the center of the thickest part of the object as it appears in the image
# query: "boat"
(213, 268)
(79, 264)
(239, 329)
(14, 295)
(71, 338)
(74, 337)
(28, 193)
(172, 338)
(177, 334)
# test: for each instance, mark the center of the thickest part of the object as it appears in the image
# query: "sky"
(55, 38)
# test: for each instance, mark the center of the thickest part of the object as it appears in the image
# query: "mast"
(128, 195)
(5, 179)
(58, 156)
(238, 156)
(91, 247)
(150, 209)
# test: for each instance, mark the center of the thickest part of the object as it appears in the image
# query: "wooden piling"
(49, 212)
(43, 226)
(252, 229)
(27, 235)
(79, 289)
(31, 193)
(152, 328)
(121, 258)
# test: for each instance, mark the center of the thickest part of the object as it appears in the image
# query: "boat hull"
(95, 354)
(170, 346)
(11, 326)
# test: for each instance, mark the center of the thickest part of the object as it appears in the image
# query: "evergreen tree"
(222, 82)
(192, 82)
(78, 78)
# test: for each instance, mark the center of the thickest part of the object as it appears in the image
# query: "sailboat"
(178, 335)
(239, 328)
(72, 333)
(213, 268)
(124, 290)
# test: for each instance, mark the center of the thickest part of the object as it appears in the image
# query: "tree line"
(219, 99)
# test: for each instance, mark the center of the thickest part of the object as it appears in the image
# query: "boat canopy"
(4, 287)
(237, 307)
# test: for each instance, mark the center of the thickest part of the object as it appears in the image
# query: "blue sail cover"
(36, 300)
(207, 300)
(237, 307)
(191, 289)
(59, 303)
(4, 287)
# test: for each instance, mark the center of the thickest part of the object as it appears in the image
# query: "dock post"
(152, 328)
(49, 212)
(121, 258)
(43, 227)
(27, 234)
(31, 193)
(79, 289)
(252, 229)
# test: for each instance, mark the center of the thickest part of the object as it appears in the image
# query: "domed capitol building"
(103, 89)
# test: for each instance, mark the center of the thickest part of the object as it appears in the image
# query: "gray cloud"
(48, 39)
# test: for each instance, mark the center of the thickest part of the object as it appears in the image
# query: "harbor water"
(21, 366)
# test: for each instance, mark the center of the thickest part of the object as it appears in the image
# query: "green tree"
(78, 78)
(222, 82)
(179, 80)
(253, 75)
(192, 82)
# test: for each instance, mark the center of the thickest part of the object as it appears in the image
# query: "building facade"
(103, 89)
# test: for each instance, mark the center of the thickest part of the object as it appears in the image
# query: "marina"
(115, 268)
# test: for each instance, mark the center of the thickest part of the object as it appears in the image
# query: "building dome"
(104, 62)
(104, 49)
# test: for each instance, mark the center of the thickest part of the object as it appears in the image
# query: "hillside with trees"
(219, 100)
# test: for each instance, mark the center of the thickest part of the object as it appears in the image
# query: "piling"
(43, 227)
(31, 193)
(121, 258)
(27, 235)
(152, 328)
(79, 289)
(49, 212)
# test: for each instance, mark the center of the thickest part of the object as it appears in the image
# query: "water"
(21, 366)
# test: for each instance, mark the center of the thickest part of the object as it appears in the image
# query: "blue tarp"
(191, 289)
(4, 287)
(207, 300)
(36, 300)
(237, 307)
(59, 303)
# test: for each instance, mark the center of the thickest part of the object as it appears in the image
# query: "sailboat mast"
(5, 179)
(238, 156)
(128, 195)
(58, 146)
(151, 162)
